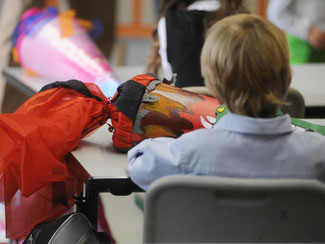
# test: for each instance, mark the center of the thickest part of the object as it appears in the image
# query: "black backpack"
(69, 229)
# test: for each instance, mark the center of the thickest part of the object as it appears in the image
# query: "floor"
(125, 218)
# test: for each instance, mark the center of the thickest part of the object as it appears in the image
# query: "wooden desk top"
(27, 84)
(98, 157)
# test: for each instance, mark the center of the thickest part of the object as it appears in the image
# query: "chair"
(296, 104)
(212, 209)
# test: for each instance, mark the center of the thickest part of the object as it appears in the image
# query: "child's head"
(245, 63)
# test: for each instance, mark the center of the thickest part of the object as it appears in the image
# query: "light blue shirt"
(237, 146)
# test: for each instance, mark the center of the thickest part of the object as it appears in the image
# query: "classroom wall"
(250, 5)
(256, 6)
(125, 11)
(135, 20)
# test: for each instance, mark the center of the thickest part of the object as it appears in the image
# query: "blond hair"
(245, 63)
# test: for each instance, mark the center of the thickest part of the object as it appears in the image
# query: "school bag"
(72, 228)
(37, 181)
(145, 107)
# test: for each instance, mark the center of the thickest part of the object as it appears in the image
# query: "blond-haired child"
(245, 63)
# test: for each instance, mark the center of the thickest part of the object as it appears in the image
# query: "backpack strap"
(308, 126)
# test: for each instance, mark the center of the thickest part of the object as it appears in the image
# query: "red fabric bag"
(37, 183)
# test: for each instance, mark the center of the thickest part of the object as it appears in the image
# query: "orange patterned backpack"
(144, 107)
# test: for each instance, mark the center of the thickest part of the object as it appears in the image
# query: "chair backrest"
(296, 104)
(212, 209)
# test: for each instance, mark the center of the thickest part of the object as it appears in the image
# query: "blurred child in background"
(304, 23)
(179, 37)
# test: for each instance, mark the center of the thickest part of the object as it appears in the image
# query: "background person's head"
(245, 63)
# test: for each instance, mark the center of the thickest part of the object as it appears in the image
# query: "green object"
(309, 126)
(139, 202)
(221, 114)
(222, 111)
(302, 52)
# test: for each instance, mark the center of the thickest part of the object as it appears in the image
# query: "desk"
(29, 85)
(316, 121)
(99, 158)
(309, 79)
(106, 169)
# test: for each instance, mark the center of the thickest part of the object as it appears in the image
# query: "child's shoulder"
(197, 138)
(308, 141)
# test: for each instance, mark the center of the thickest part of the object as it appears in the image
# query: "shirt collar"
(256, 126)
